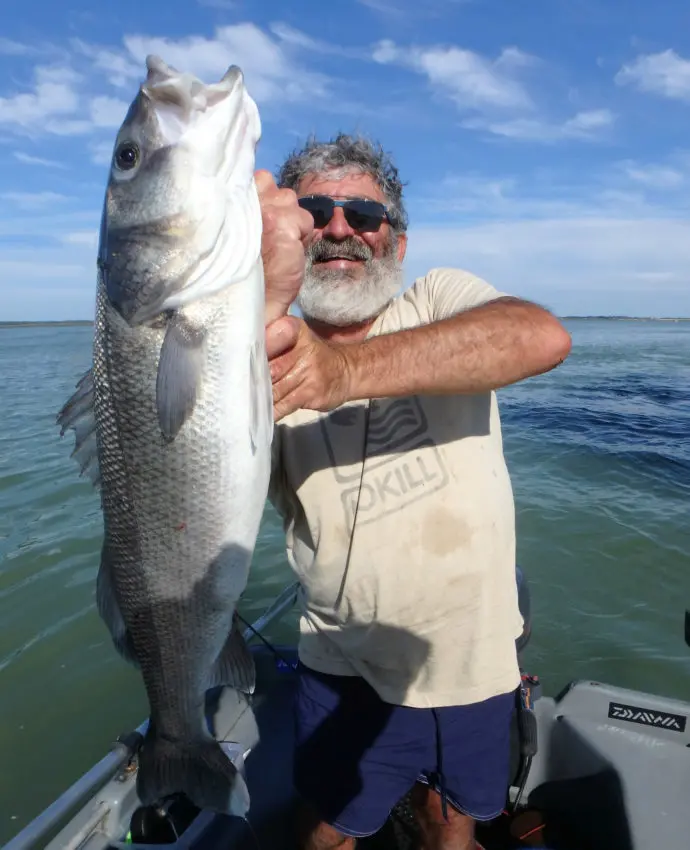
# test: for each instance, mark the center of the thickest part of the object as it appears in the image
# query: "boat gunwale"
(123, 750)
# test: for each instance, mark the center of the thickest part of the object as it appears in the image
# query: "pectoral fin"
(180, 374)
(260, 397)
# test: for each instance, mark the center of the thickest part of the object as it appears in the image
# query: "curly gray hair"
(342, 155)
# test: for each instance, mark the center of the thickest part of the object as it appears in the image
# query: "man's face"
(351, 274)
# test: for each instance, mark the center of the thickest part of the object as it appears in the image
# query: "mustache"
(347, 249)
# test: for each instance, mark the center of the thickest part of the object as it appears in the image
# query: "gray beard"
(342, 298)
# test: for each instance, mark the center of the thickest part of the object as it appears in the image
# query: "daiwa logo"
(647, 717)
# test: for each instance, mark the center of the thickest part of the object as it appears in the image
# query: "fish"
(173, 421)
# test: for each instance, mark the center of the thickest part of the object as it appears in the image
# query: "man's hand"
(287, 230)
(307, 372)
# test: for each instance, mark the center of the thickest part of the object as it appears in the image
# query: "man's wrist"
(354, 358)
(275, 309)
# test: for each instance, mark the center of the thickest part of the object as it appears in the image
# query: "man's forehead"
(350, 185)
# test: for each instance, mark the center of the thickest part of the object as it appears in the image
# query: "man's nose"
(337, 227)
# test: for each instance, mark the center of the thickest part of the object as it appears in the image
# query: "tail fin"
(197, 768)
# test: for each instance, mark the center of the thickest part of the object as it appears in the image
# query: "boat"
(596, 767)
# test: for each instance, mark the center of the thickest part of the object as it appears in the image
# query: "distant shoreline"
(67, 323)
(76, 323)
(628, 318)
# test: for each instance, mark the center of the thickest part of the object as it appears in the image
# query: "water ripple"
(599, 455)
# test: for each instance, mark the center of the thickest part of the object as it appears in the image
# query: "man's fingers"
(287, 374)
(306, 226)
(264, 181)
(285, 405)
(270, 194)
(282, 335)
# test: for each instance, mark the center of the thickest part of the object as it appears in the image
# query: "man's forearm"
(482, 349)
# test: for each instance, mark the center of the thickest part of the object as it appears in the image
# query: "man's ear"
(402, 246)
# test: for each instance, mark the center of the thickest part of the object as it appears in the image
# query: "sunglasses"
(361, 214)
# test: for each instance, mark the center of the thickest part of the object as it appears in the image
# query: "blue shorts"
(357, 756)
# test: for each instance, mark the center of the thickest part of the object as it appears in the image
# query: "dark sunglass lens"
(321, 209)
(365, 216)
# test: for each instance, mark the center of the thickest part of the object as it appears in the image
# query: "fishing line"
(252, 833)
(341, 591)
(267, 643)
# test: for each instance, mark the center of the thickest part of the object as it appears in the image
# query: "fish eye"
(126, 156)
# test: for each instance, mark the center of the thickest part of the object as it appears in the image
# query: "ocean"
(599, 455)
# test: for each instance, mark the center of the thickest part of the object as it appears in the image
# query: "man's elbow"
(557, 342)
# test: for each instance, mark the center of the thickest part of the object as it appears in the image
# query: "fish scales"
(177, 412)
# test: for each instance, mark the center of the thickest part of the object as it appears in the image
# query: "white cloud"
(294, 38)
(101, 153)
(47, 265)
(43, 225)
(20, 271)
(224, 5)
(607, 243)
(29, 159)
(612, 191)
(81, 237)
(108, 111)
(8, 47)
(69, 127)
(410, 8)
(53, 96)
(469, 79)
(118, 67)
(385, 6)
(654, 176)
(493, 92)
(69, 99)
(32, 200)
(568, 263)
(665, 73)
(271, 73)
(587, 125)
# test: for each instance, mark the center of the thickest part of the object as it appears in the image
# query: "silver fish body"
(174, 420)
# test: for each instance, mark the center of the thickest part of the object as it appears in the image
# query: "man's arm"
(481, 349)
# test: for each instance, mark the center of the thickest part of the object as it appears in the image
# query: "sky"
(544, 144)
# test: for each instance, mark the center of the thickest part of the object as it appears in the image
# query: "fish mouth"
(166, 86)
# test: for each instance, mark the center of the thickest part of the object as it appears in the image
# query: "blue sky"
(545, 143)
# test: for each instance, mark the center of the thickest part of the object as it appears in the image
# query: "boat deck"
(611, 773)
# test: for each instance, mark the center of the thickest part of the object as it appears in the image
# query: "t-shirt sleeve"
(445, 292)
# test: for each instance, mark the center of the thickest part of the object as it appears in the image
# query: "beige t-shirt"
(406, 561)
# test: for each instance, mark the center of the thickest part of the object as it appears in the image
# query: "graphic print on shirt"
(402, 466)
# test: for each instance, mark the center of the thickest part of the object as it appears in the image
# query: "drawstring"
(440, 778)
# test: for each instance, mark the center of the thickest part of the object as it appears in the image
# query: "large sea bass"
(174, 420)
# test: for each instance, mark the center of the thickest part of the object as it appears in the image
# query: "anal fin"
(234, 666)
(109, 611)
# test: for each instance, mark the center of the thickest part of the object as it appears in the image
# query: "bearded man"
(389, 474)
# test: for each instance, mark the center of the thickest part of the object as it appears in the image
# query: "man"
(398, 509)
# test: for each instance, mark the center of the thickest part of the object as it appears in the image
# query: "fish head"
(181, 195)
